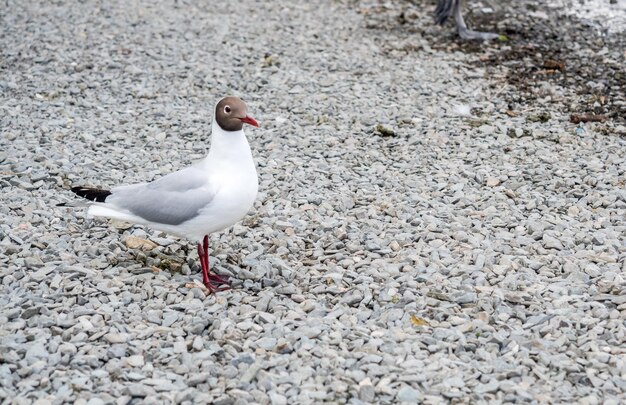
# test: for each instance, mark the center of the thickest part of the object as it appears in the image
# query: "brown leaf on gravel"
(577, 118)
(419, 321)
(554, 65)
(384, 131)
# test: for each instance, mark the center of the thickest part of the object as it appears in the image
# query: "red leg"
(213, 282)
(217, 279)
(203, 264)
(205, 244)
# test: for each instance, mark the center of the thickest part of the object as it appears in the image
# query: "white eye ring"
(227, 109)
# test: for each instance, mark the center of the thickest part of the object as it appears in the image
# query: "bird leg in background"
(213, 282)
(466, 33)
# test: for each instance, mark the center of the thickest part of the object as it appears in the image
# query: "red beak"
(249, 120)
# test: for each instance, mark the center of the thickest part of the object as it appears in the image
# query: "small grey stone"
(599, 238)
(353, 298)
(198, 378)
(36, 350)
(366, 390)
(282, 225)
(30, 312)
(245, 358)
(464, 297)
(198, 343)
(277, 399)
(229, 372)
(13, 313)
(154, 316)
(67, 348)
(41, 274)
(135, 360)
(311, 332)
(287, 290)
(551, 242)
(224, 400)
(265, 317)
(250, 373)
(138, 390)
(180, 347)
(267, 343)
(169, 318)
(135, 376)
(117, 351)
(33, 262)
(408, 394)
(196, 327)
(116, 337)
(491, 386)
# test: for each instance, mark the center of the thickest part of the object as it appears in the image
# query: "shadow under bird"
(448, 8)
(193, 202)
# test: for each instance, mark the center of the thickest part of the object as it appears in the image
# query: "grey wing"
(171, 200)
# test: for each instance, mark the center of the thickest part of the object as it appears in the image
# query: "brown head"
(231, 113)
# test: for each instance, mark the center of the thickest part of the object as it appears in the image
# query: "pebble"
(169, 319)
(35, 351)
(133, 242)
(267, 343)
(552, 242)
(198, 343)
(117, 351)
(135, 361)
(407, 394)
(138, 390)
(116, 337)
(277, 399)
(366, 390)
(246, 358)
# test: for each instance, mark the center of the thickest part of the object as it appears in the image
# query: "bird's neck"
(228, 147)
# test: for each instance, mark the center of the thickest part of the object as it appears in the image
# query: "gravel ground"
(428, 229)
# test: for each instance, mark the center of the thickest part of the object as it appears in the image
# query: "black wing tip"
(90, 193)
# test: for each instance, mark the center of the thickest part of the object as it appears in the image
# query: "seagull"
(446, 8)
(194, 202)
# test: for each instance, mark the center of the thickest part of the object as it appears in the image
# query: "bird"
(447, 8)
(192, 203)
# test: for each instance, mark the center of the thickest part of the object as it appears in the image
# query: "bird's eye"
(227, 109)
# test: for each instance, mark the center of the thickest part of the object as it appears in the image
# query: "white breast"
(232, 173)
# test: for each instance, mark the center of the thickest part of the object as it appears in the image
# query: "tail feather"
(92, 194)
(74, 204)
(444, 10)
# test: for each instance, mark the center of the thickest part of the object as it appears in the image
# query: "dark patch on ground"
(560, 50)
(546, 49)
